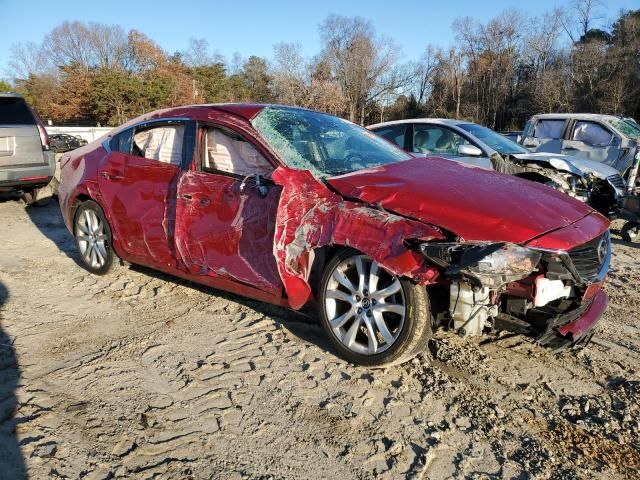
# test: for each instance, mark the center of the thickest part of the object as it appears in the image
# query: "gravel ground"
(140, 375)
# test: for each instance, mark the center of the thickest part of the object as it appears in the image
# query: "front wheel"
(93, 238)
(372, 317)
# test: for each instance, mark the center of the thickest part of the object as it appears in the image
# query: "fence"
(88, 133)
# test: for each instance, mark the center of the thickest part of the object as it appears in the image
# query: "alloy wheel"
(91, 236)
(365, 305)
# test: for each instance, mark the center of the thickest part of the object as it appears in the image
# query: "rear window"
(14, 111)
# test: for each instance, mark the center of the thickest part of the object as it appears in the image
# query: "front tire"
(372, 317)
(93, 238)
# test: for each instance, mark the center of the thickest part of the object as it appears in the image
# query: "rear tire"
(29, 197)
(93, 238)
(372, 317)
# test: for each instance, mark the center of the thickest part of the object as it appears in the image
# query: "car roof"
(440, 121)
(576, 116)
(245, 111)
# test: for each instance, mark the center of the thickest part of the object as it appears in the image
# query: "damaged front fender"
(311, 216)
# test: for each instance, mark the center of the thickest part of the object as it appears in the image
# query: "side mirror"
(469, 151)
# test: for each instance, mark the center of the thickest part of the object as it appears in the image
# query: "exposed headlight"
(560, 164)
(492, 264)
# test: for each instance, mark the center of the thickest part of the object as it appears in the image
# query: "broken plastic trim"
(565, 258)
(485, 264)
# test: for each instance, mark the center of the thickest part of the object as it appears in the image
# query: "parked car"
(599, 139)
(599, 185)
(513, 135)
(286, 205)
(62, 142)
(26, 163)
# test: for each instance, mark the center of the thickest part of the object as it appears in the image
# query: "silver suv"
(26, 163)
(601, 139)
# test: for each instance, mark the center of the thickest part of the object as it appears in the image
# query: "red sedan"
(289, 206)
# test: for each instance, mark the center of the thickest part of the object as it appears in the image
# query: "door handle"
(569, 148)
(204, 201)
(111, 176)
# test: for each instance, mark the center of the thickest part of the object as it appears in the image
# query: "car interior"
(228, 152)
(160, 143)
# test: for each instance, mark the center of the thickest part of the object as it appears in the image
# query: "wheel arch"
(83, 197)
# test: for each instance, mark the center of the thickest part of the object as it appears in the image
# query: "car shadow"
(305, 324)
(48, 219)
(12, 465)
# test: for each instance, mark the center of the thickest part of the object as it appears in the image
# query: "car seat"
(420, 141)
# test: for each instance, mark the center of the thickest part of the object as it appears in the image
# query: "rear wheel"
(372, 316)
(30, 197)
(93, 238)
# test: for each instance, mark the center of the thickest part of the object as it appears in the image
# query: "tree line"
(496, 73)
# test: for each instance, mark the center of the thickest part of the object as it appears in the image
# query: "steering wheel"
(353, 160)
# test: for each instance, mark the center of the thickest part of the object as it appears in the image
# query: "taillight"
(44, 138)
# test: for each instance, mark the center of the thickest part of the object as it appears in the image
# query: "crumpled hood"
(570, 164)
(472, 202)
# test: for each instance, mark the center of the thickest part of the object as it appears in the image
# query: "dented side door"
(225, 227)
(140, 196)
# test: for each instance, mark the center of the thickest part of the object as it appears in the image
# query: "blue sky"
(252, 27)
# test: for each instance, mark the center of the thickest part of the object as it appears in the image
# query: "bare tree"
(108, 44)
(290, 73)
(198, 54)
(71, 43)
(26, 59)
(541, 45)
(587, 12)
(424, 73)
(359, 61)
(580, 17)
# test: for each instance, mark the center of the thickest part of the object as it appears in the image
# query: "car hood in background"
(472, 202)
(571, 164)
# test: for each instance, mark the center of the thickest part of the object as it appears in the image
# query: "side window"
(592, 134)
(162, 143)
(549, 129)
(435, 139)
(394, 134)
(122, 142)
(225, 151)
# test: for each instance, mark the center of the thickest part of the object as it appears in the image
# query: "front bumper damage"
(574, 327)
(558, 303)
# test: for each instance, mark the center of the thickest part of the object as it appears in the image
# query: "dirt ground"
(140, 375)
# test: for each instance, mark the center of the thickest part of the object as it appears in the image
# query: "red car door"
(226, 211)
(137, 183)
